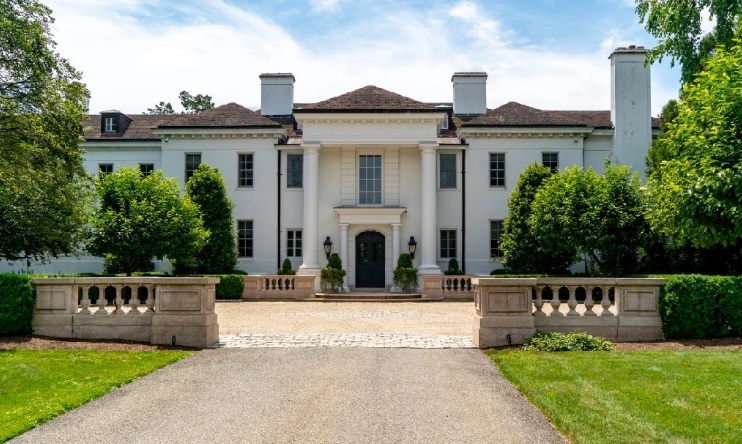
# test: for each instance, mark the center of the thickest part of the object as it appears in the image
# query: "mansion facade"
(369, 173)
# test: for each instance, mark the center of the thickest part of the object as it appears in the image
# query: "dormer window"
(444, 125)
(111, 125)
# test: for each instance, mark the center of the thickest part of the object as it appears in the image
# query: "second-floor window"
(192, 161)
(447, 171)
(245, 171)
(294, 170)
(369, 180)
(104, 168)
(497, 169)
(146, 168)
(550, 161)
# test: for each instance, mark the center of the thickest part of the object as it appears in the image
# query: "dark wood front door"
(370, 260)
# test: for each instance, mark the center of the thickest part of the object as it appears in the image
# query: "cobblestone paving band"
(375, 340)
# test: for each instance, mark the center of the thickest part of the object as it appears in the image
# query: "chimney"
(469, 93)
(631, 111)
(276, 94)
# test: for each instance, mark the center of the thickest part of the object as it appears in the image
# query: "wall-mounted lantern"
(328, 247)
(412, 245)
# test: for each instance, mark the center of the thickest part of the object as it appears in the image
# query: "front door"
(370, 260)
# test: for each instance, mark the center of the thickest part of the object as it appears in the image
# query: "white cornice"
(523, 133)
(370, 215)
(368, 118)
(122, 144)
(219, 133)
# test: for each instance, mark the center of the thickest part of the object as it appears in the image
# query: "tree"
(657, 152)
(141, 217)
(677, 26)
(522, 251)
(696, 194)
(207, 190)
(191, 104)
(44, 189)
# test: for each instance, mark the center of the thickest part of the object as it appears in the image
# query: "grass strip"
(632, 397)
(39, 385)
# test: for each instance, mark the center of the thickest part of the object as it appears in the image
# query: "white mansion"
(363, 173)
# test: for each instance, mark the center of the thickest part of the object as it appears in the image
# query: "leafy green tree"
(141, 217)
(676, 25)
(207, 190)
(191, 104)
(522, 251)
(44, 189)
(657, 152)
(696, 194)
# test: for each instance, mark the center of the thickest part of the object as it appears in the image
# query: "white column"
(310, 229)
(395, 244)
(428, 264)
(344, 251)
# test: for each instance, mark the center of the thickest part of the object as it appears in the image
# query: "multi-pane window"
(192, 161)
(444, 125)
(495, 236)
(245, 170)
(497, 169)
(244, 238)
(293, 243)
(448, 243)
(104, 168)
(111, 125)
(550, 161)
(369, 180)
(447, 172)
(294, 170)
(146, 168)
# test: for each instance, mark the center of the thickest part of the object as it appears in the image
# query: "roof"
(371, 99)
(514, 114)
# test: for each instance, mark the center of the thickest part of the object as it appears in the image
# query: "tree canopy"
(141, 217)
(44, 188)
(677, 26)
(190, 103)
(696, 194)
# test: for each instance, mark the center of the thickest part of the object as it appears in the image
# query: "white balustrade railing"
(278, 287)
(449, 287)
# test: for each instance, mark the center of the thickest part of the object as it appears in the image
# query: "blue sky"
(544, 53)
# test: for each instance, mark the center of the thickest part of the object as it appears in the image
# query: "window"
(146, 168)
(447, 173)
(245, 170)
(104, 168)
(293, 243)
(444, 125)
(448, 243)
(495, 235)
(369, 180)
(294, 171)
(111, 125)
(550, 161)
(497, 169)
(244, 238)
(192, 163)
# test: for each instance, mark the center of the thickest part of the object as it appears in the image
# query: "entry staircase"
(370, 295)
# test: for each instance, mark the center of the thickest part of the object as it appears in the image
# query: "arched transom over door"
(370, 260)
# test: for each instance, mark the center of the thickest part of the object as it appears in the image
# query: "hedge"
(16, 304)
(230, 286)
(697, 306)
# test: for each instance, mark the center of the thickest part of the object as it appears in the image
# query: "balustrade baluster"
(572, 303)
(589, 302)
(85, 302)
(118, 302)
(606, 302)
(555, 302)
(293, 283)
(468, 284)
(134, 301)
(150, 300)
(101, 302)
(539, 302)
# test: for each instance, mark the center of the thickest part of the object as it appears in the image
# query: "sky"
(548, 54)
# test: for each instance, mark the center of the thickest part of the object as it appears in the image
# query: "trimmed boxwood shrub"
(577, 341)
(16, 304)
(696, 306)
(230, 286)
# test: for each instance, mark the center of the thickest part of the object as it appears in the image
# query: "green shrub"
(696, 306)
(453, 267)
(286, 268)
(16, 304)
(405, 275)
(577, 341)
(405, 261)
(331, 277)
(230, 286)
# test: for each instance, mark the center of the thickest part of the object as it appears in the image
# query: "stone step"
(356, 296)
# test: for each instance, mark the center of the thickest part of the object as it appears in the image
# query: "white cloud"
(325, 5)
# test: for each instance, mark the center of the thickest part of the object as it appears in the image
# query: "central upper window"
(369, 179)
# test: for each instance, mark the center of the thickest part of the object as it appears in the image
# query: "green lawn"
(629, 397)
(36, 386)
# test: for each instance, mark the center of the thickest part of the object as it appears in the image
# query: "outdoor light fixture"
(328, 246)
(412, 244)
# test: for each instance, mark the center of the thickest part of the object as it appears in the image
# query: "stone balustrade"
(447, 287)
(278, 287)
(146, 309)
(509, 311)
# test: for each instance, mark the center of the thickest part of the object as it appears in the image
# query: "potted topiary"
(286, 268)
(453, 267)
(405, 275)
(331, 277)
